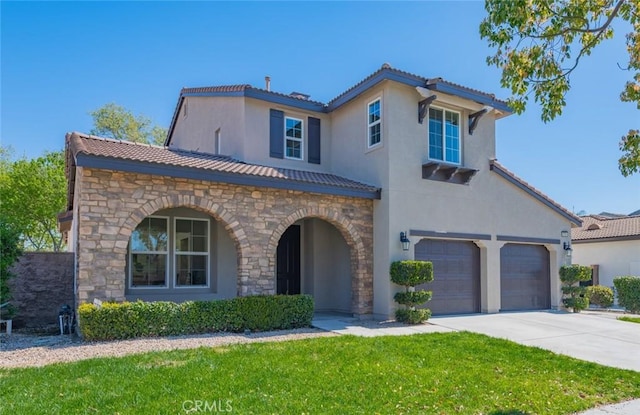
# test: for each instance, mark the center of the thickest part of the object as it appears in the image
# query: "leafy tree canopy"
(32, 193)
(540, 42)
(114, 121)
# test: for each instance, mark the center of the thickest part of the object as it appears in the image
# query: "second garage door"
(456, 270)
(524, 277)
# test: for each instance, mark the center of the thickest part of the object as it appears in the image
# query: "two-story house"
(260, 192)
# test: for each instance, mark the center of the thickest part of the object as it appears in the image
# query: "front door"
(288, 262)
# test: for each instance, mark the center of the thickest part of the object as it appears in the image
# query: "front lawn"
(630, 319)
(442, 373)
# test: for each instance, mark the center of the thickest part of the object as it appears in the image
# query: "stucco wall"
(488, 205)
(43, 283)
(257, 121)
(327, 265)
(196, 130)
(615, 258)
(113, 203)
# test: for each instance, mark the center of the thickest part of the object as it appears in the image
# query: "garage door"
(524, 277)
(456, 272)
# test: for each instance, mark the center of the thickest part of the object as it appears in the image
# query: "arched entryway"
(313, 257)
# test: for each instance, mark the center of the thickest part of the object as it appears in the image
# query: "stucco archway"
(361, 276)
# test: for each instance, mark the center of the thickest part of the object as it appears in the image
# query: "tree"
(10, 251)
(114, 121)
(540, 43)
(32, 193)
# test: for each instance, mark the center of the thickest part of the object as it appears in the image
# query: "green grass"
(630, 319)
(438, 373)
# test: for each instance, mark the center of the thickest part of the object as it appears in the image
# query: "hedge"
(628, 292)
(126, 320)
(600, 295)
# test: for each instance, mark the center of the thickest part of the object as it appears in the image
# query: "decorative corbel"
(423, 106)
(475, 117)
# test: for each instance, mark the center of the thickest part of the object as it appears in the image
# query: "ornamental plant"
(574, 296)
(409, 274)
(10, 251)
(600, 295)
(628, 291)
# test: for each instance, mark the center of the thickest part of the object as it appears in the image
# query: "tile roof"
(602, 227)
(426, 81)
(97, 147)
(510, 176)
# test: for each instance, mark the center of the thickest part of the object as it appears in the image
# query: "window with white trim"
(149, 253)
(444, 135)
(374, 122)
(191, 252)
(293, 138)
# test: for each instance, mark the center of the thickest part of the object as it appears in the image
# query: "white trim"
(175, 253)
(369, 125)
(300, 140)
(167, 253)
(444, 135)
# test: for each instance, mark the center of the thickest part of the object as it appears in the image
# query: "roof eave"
(110, 163)
(484, 99)
(382, 75)
(604, 239)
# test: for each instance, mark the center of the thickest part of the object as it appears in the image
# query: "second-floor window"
(293, 138)
(374, 122)
(444, 135)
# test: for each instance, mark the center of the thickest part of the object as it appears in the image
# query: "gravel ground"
(28, 350)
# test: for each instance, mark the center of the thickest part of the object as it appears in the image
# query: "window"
(293, 138)
(149, 253)
(374, 123)
(191, 252)
(444, 135)
(156, 248)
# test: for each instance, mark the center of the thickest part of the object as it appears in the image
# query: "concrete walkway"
(591, 335)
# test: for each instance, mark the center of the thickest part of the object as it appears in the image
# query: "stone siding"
(111, 204)
(43, 282)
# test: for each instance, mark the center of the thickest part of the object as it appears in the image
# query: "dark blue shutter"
(276, 134)
(313, 145)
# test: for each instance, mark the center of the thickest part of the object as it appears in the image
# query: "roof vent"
(594, 226)
(299, 95)
(386, 65)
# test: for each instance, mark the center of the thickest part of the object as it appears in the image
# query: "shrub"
(574, 295)
(162, 318)
(628, 291)
(415, 316)
(600, 295)
(10, 251)
(409, 274)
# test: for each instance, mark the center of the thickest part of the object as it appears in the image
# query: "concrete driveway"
(592, 336)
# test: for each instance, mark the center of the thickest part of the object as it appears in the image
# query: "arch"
(219, 213)
(344, 226)
(359, 273)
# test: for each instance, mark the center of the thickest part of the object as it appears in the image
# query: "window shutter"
(313, 145)
(276, 134)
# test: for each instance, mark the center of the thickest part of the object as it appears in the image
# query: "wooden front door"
(288, 262)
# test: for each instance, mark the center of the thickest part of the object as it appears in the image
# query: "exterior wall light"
(404, 241)
(567, 248)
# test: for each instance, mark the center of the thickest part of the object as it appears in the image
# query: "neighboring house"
(258, 192)
(611, 245)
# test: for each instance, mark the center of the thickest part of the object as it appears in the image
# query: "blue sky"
(62, 60)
